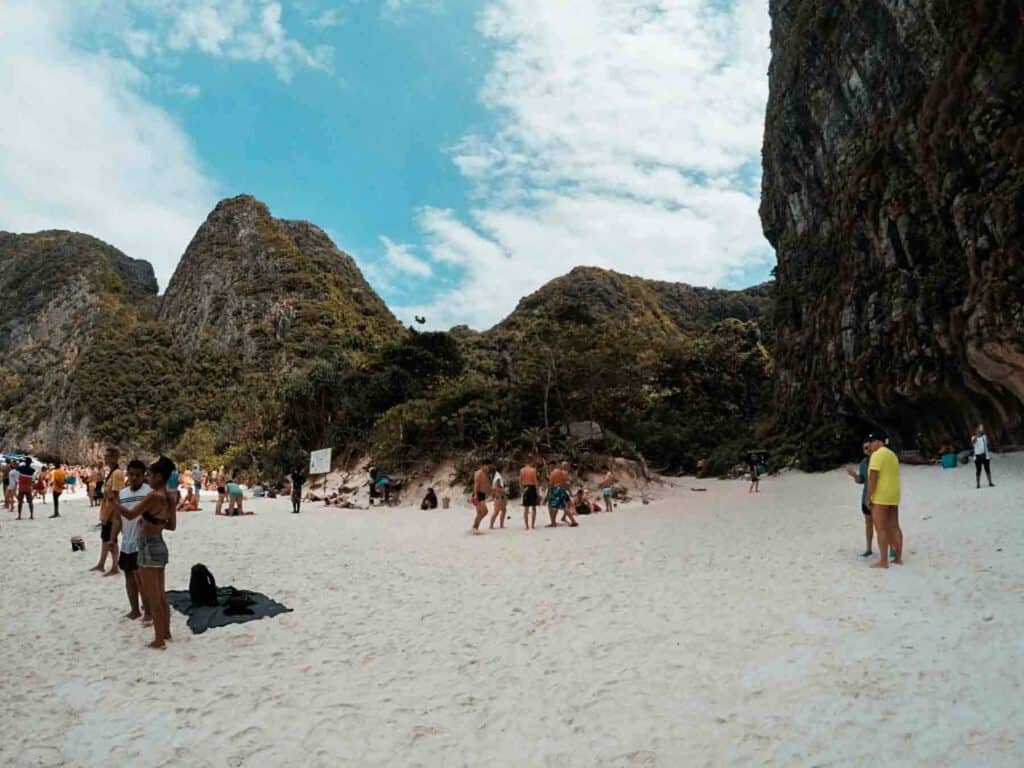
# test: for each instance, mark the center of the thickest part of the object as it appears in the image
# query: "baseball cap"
(877, 435)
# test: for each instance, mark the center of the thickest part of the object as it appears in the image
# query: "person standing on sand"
(24, 478)
(5, 477)
(499, 492)
(884, 495)
(860, 476)
(755, 476)
(981, 457)
(129, 497)
(111, 487)
(197, 479)
(222, 490)
(57, 480)
(297, 479)
(157, 514)
(558, 496)
(529, 482)
(607, 488)
(481, 485)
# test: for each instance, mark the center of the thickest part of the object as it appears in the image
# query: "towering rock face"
(271, 291)
(894, 195)
(64, 297)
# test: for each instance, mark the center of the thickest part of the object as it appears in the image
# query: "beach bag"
(201, 586)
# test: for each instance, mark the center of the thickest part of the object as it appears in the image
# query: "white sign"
(320, 462)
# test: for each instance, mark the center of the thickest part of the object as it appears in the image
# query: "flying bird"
(420, 320)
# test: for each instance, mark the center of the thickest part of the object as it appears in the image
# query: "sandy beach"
(715, 628)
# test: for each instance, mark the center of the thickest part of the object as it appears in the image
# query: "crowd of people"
(490, 483)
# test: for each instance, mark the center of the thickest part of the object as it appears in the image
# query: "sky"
(464, 153)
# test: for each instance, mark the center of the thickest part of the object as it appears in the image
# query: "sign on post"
(320, 462)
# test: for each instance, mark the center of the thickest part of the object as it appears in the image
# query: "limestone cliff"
(894, 196)
(64, 297)
(271, 291)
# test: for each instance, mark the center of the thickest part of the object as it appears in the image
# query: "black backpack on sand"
(201, 586)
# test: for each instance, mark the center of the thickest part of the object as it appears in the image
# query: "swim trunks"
(530, 496)
(480, 496)
(105, 531)
(152, 552)
(558, 497)
(128, 561)
(865, 509)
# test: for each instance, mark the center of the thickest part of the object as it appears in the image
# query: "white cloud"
(244, 30)
(398, 10)
(326, 19)
(628, 131)
(400, 257)
(80, 149)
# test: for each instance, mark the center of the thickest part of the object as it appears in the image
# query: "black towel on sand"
(234, 606)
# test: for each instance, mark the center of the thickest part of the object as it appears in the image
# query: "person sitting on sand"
(884, 495)
(189, 503)
(581, 504)
(558, 496)
(530, 484)
(499, 492)
(481, 485)
(430, 500)
(860, 476)
(157, 512)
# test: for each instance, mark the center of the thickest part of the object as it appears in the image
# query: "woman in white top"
(981, 457)
(499, 492)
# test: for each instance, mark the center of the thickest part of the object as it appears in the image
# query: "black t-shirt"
(297, 479)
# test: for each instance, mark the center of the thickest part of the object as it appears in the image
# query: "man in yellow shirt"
(884, 497)
(57, 480)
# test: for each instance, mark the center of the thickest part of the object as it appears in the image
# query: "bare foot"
(133, 615)
(898, 561)
(880, 565)
(157, 645)
(96, 568)
(147, 621)
(553, 525)
(112, 573)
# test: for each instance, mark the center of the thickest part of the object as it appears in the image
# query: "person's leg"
(526, 517)
(879, 514)
(570, 515)
(481, 513)
(988, 471)
(164, 607)
(554, 516)
(114, 554)
(104, 549)
(149, 588)
(131, 588)
(896, 537)
(504, 512)
(869, 533)
(56, 503)
(977, 471)
(21, 503)
(31, 509)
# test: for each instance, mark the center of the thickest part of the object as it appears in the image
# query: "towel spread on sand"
(234, 606)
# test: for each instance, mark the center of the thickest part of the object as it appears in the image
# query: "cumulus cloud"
(244, 30)
(400, 257)
(629, 138)
(80, 149)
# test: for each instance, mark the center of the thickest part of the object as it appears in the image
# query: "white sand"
(705, 629)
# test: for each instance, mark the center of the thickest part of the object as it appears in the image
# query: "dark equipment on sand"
(202, 587)
(233, 606)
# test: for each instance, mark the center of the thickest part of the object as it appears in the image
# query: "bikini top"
(153, 519)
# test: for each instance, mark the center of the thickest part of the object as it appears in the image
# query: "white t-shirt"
(12, 479)
(981, 446)
(130, 528)
(498, 480)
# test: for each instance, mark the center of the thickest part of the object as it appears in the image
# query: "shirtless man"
(558, 496)
(5, 476)
(499, 491)
(112, 486)
(530, 484)
(222, 490)
(481, 485)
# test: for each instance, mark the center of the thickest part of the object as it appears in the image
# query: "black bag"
(201, 586)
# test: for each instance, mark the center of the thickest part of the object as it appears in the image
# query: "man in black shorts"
(529, 482)
(481, 485)
(128, 561)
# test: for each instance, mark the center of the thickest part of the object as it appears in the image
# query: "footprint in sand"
(39, 756)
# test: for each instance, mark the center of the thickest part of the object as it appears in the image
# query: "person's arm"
(872, 483)
(172, 519)
(155, 505)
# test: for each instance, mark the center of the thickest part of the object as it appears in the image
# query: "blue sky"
(464, 152)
